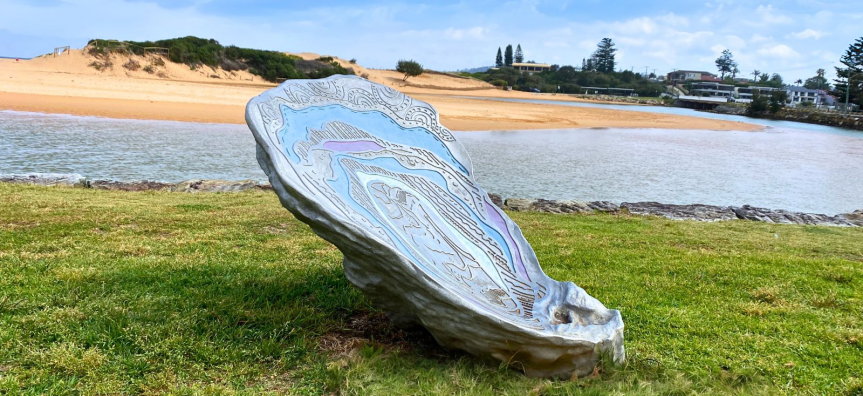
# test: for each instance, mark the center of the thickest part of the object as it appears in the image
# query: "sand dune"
(69, 84)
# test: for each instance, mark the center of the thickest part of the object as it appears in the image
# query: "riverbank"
(66, 85)
(695, 212)
(809, 116)
(111, 292)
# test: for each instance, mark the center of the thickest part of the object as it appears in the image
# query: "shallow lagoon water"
(779, 168)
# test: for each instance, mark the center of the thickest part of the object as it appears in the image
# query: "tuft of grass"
(105, 292)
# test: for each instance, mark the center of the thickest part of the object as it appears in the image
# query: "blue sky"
(793, 38)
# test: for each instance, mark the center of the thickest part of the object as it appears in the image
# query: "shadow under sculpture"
(373, 171)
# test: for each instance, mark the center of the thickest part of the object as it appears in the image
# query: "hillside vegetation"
(196, 52)
(569, 80)
(167, 293)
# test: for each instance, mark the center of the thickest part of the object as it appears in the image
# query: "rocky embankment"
(695, 212)
(189, 186)
(809, 116)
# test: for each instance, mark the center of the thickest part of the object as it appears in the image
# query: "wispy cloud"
(809, 33)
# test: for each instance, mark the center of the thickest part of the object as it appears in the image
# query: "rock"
(496, 200)
(855, 217)
(548, 206)
(374, 172)
(747, 212)
(519, 205)
(604, 206)
(681, 212)
(196, 186)
(142, 185)
(46, 179)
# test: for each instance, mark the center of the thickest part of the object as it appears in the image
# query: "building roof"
(711, 83)
(691, 71)
(801, 89)
(531, 64)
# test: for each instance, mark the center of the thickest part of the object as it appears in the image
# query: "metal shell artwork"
(373, 171)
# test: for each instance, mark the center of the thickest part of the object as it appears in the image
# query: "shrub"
(353, 60)
(132, 65)
(149, 69)
(758, 105)
(196, 52)
(410, 68)
(777, 100)
(101, 66)
(498, 83)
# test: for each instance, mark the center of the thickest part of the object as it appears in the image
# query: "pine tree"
(507, 57)
(498, 60)
(725, 63)
(853, 71)
(519, 56)
(604, 56)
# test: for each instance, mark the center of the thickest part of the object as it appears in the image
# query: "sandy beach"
(67, 85)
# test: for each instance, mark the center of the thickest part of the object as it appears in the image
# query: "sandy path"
(67, 85)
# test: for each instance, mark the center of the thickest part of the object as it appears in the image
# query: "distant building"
(798, 95)
(531, 67)
(714, 89)
(691, 75)
(745, 94)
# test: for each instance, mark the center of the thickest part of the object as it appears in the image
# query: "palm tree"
(755, 74)
(799, 82)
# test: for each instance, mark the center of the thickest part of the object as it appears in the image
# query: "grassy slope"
(229, 294)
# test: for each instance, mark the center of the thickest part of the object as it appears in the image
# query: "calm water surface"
(779, 168)
(688, 112)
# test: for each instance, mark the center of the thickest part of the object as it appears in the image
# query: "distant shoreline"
(69, 84)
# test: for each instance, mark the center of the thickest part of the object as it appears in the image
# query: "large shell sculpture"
(373, 171)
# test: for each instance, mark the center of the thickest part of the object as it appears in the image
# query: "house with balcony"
(690, 75)
(800, 95)
(531, 67)
(713, 89)
(745, 94)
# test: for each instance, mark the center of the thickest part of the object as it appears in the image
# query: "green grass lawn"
(146, 293)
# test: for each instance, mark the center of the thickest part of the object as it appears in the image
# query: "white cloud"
(471, 33)
(770, 15)
(757, 38)
(809, 33)
(779, 51)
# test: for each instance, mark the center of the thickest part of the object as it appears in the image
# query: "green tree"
(776, 81)
(507, 57)
(817, 82)
(852, 72)
(410, 68)
(604, 56)
(755, 74)
(519, 56)
(777, 100)
(498, 60)
(758, 105)
(725, 63)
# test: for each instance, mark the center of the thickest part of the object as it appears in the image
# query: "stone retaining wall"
(695, 212)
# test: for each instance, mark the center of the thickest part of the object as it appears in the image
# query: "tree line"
(597, 71)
